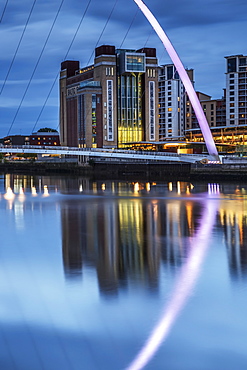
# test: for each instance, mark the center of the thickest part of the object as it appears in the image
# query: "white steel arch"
(185, 79)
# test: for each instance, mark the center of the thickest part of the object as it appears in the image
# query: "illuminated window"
(109, 71)
(151, 72)
(169, 109)
(135, 63)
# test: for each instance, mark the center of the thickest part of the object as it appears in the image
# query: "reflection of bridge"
(106, 153)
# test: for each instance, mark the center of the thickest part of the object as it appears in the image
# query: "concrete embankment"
(40, 167)
(219, 171)
(132, 171)
(114, 169)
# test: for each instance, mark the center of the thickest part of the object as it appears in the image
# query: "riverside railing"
(104, 152)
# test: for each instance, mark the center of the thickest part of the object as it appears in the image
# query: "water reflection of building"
(16, 181)
(233, 218)
(26, 182)
(126, 239)
(130, 236)
(71, 241)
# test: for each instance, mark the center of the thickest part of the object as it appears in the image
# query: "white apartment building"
(236, 90)
(172, 103)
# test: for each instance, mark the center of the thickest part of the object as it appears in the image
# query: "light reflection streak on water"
(136, 187)
(182, 290)
(21, 195)
(213, 189)
(46, 192)
(19, 215)
(34, 192)
(9, 195)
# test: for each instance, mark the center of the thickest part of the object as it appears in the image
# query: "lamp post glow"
(185, 79)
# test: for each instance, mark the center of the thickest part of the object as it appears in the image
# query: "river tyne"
(114, 275)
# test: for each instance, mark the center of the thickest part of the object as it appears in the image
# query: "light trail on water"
(183, 288)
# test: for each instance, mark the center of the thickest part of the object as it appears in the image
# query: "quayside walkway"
(108, 153)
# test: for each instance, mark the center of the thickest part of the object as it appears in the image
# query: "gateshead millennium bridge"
(107, 153)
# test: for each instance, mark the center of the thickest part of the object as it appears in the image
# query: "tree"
(47, 129)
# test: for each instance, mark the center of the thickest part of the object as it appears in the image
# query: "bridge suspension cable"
(107, 21)
(65, 57)
(36, 65)
(76, 32)
(126, 34)
(4, 9)
(124, 38)
(18, 46)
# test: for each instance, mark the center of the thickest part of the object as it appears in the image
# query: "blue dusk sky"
(37, 35)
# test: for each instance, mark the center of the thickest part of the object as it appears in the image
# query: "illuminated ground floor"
(181, 147)
(229, 139)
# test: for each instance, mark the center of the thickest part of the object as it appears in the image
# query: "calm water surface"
(111, 275)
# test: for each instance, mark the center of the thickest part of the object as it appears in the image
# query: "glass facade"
(152, 110)
(94, 131)
(81, 121)
(110, 106)
(231, 65)
(134, 63)
(243, 61)
(130, 127)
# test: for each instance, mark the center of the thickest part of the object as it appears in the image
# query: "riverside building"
(227, 117)
(112, 103)
(236, 90)
(174, 113)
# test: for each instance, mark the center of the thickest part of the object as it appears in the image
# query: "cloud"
(202, 35)
(31, 102)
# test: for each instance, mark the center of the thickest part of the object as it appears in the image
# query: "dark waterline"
(90, 268)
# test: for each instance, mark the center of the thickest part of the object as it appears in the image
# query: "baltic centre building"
(111, 103)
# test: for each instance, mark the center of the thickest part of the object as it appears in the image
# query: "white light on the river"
(34, 192)
(9, 194)
(46, 192)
